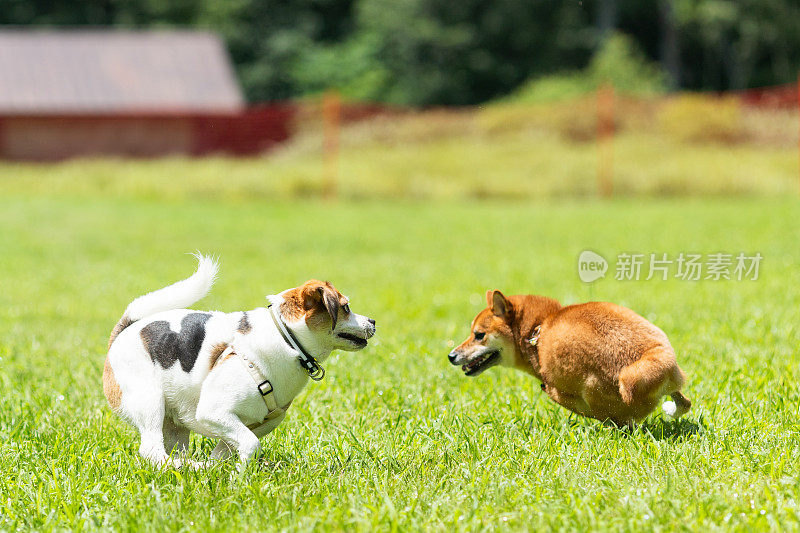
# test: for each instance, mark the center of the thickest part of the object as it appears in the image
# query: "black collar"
(307, 361)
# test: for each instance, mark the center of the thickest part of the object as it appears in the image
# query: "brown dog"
(597, 359)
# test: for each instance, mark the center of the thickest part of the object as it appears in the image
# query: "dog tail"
(176, 296)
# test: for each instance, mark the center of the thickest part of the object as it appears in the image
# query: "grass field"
(395, 438)
(500, 152)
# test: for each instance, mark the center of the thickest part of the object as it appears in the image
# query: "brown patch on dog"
(293, 307)
(111, 387)
(216, 351)
(317, 301)
(597, 359)
(231, 354)
(123, 323)
(244, 325)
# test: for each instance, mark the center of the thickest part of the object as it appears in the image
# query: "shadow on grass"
(658, 428)
(674, 430)
(273, 464)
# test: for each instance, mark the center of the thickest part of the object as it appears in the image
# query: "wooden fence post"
(605, 139)
(331, 117)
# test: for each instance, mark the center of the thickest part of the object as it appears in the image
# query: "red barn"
(125, 93)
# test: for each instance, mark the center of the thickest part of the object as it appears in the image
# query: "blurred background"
(407, 98)
(416, 153)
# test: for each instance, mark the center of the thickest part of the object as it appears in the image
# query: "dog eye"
(479, 335)
(346, 309)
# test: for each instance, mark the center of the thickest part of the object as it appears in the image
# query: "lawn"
(394, 437)
(505, 154)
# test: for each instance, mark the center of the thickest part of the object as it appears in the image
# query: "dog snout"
(453, 357)
(370, 327)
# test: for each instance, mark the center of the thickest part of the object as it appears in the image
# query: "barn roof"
(102, 71)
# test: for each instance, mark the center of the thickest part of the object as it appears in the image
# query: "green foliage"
(553, 88)
(738, 44)
(618, 62)
(351, 67)
(269, 38)
(395, 438)
(418, 52)
(440, 52)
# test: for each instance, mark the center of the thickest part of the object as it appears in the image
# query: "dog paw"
(194, 465)
(174, 462)
(669, 408)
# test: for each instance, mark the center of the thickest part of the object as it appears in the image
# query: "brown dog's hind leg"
(680, 404)
(642, 383)
(649, 376)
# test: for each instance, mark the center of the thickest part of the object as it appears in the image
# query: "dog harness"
(307, 361)
(263, 385)
(265, 388)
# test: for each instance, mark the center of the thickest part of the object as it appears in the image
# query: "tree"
(441, 52)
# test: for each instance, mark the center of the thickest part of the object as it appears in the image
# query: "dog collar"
(534, 340)
(534, 343)
(307, 361)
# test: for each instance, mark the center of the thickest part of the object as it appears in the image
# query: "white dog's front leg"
(223, 450)
(230, 429)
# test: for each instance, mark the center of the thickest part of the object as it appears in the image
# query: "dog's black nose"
(372, 321)
(452, 357)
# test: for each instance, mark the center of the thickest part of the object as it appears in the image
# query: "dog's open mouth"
(481, 363)
(358, 341)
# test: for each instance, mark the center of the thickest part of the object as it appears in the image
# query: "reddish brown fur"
(597, 359)
(216, 352)
(308, 301)
(222, 360)
(123, 323)
(111, 387)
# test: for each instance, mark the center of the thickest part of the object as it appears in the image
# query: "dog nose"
(371, 321)
(452, 357)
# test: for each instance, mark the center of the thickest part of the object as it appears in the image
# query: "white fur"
(669, 408)
(181, 294)
(166, 404)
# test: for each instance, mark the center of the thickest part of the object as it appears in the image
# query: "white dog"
(230, 376)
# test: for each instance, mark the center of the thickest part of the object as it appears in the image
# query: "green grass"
(395, 438)
(500, 153)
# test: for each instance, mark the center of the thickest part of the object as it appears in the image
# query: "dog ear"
(330, 299)
(500, 305)
(317, 294)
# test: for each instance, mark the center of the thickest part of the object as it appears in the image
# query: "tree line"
(445, 52)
